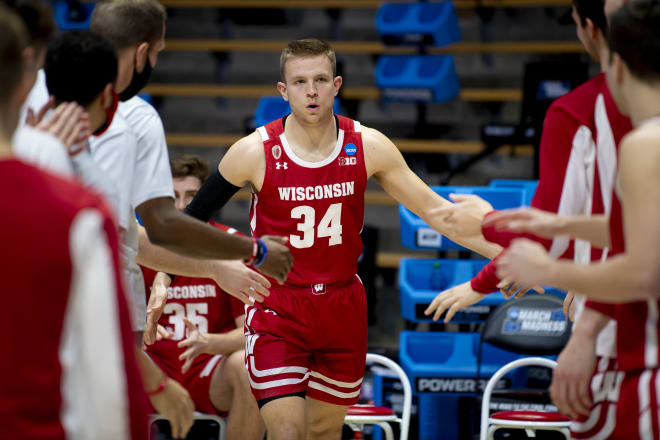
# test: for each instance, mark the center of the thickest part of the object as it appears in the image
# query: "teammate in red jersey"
(68, 359)
(201, 328)
(630, 277)
(306, 342)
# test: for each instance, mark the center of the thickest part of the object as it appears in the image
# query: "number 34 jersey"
(319, 206)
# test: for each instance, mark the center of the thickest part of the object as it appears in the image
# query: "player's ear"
(106, 96)
(281, 87)
(141, 55)
(337, 82)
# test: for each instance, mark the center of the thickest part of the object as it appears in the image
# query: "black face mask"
(138, 82)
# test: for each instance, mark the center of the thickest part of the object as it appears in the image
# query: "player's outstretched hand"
(526, 220)
(513, 289)
(526, 262)
(157, 302)
(572, 376)
(240, 281)
(69, 123)
(278, 260)
(195, 344)
(453, 300)
(175, 404)
(464, 216)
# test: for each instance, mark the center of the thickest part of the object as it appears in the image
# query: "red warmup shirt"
(580, 138)
(201, 301)
(69, 366)
(319, 206)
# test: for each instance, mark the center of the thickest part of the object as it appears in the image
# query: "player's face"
(185, 189)
(310, 87)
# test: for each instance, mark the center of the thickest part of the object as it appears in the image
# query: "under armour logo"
(280, 165)
(318, 289)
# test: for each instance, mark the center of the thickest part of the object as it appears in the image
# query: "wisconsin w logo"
(318, 289)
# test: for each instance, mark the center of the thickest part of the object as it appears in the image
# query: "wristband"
(263, 250)
(255, 252)
(161, 387)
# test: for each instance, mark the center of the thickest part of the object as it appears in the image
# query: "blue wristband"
(264, 251)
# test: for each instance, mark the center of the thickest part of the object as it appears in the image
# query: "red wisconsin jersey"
(68, 359)
(201, 301)
(319, 206)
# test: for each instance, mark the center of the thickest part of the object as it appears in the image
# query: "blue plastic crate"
(446, 362)
(416, 292)
(416, 234)
(419, 78)
(270, 108)
(68, 18)
(418, 23)
(529, 186)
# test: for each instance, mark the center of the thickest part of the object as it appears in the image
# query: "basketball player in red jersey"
(306, 343)
(202, 346)
(69, 367)
(630, 278)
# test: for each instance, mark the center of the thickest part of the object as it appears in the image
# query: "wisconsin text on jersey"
(318, 192)
(191, 292)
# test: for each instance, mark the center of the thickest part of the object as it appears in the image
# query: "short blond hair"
(307, 47)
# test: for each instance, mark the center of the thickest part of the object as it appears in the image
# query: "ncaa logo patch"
(277, 152)
(350, 149)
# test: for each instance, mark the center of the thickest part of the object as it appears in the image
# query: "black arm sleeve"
(213, 195)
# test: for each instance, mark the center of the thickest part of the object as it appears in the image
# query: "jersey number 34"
(329, 226)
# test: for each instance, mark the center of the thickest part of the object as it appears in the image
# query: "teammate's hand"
(163, 333)
(464, 217)
(33, 119)
(569, 306)
(278, 259)
(530, 220)
(196, 343)
(157, 302)
(453, 300)
(175, 404)
(571, 377)
(512, 289)
(240, 281)
(525, 262)
(69, 123)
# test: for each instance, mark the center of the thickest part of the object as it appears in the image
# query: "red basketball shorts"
(605, 387)
(197, 380)
(310, 340)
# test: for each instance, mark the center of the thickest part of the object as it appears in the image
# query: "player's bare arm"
(210, 343)
(386, 164)
(593, 229)
(231, 275)
(625, 277)
(244, 163)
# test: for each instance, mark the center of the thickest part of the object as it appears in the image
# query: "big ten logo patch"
(350, 149)
(347, 161)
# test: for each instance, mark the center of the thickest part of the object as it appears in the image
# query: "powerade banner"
(456, 384)
(534, 322)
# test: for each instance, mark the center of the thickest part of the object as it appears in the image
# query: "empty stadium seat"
(417, 77)
(71, 15)
(418, 23)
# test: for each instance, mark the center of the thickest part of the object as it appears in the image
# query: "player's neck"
(5, 148)
(311, 137)
(645, 102)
